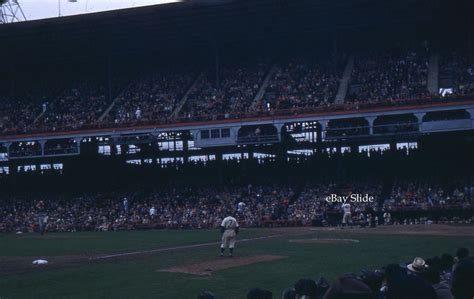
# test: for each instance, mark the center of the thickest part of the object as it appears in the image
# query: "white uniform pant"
(228, 239)
(347, 218)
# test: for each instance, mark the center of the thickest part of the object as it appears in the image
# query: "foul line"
(103, 257)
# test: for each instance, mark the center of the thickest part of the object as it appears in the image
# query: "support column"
(371, 120)
(324, 126)
(279, 129)
(420, 116)
(7, 145)
(78, 144)
(471, 112)
(321, 134)
(185, 148)
(42, 143)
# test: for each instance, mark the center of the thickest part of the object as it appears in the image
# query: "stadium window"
(118, 149)
(302, 152)
(133, 149)
(148, 161)
(45, 166)
(27, 168)
(3, 156)
(4, 170)
(234, 156)
(215, 133)
(104, 150)
(164, 161)
(225, 133)
(408, 145)
(201, 158)
(345, 149)
(58, 166)
(135, 162)
(164, 145)
(204, 134)
(374, 147)
(192, 146)
(178, 145)
(262, 155)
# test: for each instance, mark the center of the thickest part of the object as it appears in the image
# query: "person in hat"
(418, 266)
(257, 293)
(348, 288)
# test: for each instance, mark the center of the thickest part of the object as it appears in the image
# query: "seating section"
(152, 97)
(300, 83)
(389, 77)
(253, 205)
(231, 93)
(457, 72)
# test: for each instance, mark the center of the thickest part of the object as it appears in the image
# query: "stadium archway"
(347, 127)
(396, 124)
(258, 134)
(446, 115)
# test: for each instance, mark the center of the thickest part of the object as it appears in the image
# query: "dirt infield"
(421, 229)
(325, 241)
(23, 264)
(208, 267)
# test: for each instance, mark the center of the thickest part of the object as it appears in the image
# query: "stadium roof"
(191, 24)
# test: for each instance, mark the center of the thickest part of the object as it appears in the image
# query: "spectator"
(257, 293)
(462, 282)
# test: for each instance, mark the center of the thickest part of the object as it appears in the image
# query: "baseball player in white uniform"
(229, 229)
(347, 218)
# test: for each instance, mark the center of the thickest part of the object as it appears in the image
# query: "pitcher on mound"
(229, 230)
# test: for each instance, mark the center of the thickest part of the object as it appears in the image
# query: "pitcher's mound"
(208, 267)
(325, 241)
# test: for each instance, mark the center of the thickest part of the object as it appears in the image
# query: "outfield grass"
(137, 277)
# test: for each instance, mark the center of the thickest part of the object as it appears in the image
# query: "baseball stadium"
(221, 149)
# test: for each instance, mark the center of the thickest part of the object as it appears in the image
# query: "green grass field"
(137, 276)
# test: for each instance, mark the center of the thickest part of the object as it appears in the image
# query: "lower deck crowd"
(402, 202)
